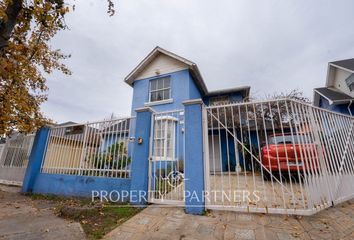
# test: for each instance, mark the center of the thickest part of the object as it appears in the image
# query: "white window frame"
(161, 89)
(164, 123)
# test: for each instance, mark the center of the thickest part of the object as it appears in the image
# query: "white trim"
(10, 183)
(166, 118)
(149, 58)
(162, 201)
(148, 104)
(153, 54)
(164, 138)
(329, 100)
(303, 212)
(343, 68)
(193, 101)
(334, 102)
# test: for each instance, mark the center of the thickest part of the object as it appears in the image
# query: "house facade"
(164, 80)
(338, 94)
(187, 146)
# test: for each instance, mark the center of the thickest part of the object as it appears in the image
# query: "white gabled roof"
(193, 68)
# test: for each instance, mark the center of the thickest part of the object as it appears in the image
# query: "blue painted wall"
(194, 162)
(341, 108)
(140, 164)
(182, 88)
(228, 157)
(82, 186)
(35, 159)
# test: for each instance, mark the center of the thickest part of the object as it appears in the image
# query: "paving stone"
(244, 234)
(263, 233)
(285, 236)
(174, 224)
(121, 235)
(206, 229)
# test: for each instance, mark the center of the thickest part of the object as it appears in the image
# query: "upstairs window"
(350, 82)
(160, 89)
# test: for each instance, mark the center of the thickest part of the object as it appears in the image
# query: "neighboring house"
(105, 143)
(338, 95)
(163, 81)
(70, 142)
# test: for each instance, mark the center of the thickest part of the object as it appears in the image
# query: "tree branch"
(6, 27)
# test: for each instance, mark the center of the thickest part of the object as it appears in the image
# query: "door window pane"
(164, 139)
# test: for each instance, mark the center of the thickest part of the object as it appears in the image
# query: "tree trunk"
(7, 26)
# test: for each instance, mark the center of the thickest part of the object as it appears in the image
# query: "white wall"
(339, 81)
(163, 64)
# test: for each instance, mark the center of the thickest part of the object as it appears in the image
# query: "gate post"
(194, 166)
(35, 159)
(140, 165)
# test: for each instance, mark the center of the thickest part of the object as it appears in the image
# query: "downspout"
(350, 112)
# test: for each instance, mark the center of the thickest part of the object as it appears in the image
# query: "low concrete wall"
(79, 186)
(12, 175)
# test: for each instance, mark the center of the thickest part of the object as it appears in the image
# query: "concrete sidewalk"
(22, 218)
(173, 223)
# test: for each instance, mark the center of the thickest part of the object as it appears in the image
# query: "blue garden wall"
(64, 184)
(79, 186)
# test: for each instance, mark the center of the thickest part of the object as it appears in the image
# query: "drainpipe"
(350, 112)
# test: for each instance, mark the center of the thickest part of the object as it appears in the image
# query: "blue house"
(154, 150)
(163, 81)
(338, 94)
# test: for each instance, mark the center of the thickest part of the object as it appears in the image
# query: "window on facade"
(164, 137)
(350, 82)
(160, 89)
(219, 100)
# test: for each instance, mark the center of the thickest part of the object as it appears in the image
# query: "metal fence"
(280, 156)
(14, 158)
(93, 149)
(2, 147)
(16, 151)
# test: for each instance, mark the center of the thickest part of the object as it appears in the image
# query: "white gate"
(280, 156)
(14, 159)
(166, 161)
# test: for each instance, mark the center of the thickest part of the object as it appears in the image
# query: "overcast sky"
(272, 46)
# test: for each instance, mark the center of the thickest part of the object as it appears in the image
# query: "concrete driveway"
(172, 223)
(22, 218)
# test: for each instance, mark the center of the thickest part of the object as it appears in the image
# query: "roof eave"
(129, 79)
(245, 90)
(331, 101)
(199, 79)
(340, 67)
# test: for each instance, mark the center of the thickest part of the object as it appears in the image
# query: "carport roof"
(332, 95)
